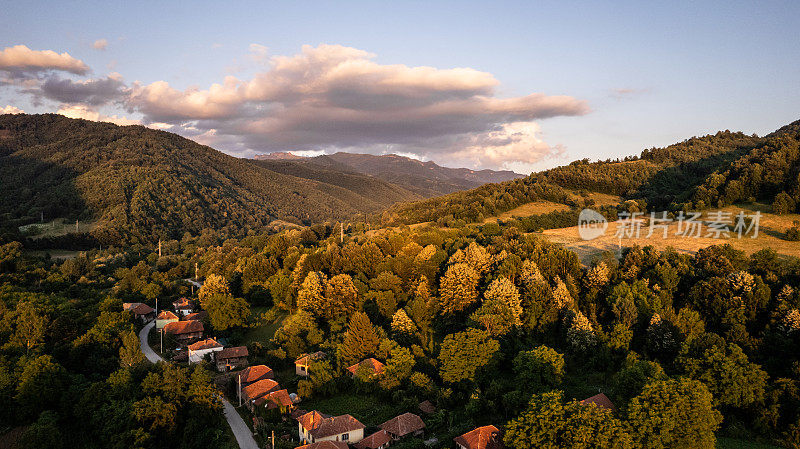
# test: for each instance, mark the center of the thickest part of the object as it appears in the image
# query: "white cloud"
(88, 113)
(11, 110)
(20, 58)
(100, 44)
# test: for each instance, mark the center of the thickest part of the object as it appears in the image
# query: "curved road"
(240, 430)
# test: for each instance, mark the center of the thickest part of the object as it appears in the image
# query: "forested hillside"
(142, 184)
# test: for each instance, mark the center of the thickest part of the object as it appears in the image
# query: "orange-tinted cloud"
(20, 58)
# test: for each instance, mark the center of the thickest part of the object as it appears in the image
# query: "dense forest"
(492, 326)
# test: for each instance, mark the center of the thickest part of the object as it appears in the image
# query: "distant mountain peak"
(278, 155)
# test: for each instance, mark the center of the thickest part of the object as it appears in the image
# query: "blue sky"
(625, 75)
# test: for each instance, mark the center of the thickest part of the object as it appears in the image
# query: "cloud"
(88, 113)
(91, 91)
(625, 92)
(100, 44)
(11, 110)
(332, 97)
(21, 59)
(259, 53)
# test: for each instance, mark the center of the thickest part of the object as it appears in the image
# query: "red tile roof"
(600, 400)
(257, 389)
(184, 327)
(235, 352)
(377, 367)
(304, 358)
(403, 425)
(374, 441)
(182, 303)
(167, 315)
(256, 372)
(129, 305)
(275, 399)
(208, 343)
(486, 437)
(142, 309)
(325, 445)
(320, 427)
(201, 315)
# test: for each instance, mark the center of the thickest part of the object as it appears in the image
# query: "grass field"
(57, 227)
(264, 332)
(364, 407)
(543, 207)
(731, 443)
(771, 230)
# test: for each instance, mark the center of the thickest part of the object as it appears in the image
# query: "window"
(345, 436)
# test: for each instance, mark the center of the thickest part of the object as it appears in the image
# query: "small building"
(315, 427)
(486, 437)
(183, 306)
(201, 315)
(601, 401)
(378, 440)
(302, 362)
(427, 407)
(140, 310)
(164, 318)
(255, 373)
(257, 390)
(407, 424)
(373, 364)
(185, 331)
(276, 400)
(231, 358)
(199, 349)
(325, 445)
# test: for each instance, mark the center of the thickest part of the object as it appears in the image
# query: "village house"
(314, 427)
(183, 306)
(199, 349)
(231, 358)
(486, 437)
(302, 362)
(201, 315)
(255, 373)
(325, 445)
(185, 331)
(140, 310)
(376, 367)
(601, 401)
(378, 440)
(276, 400)
(164, 318)
(407, 424)
(256, 390)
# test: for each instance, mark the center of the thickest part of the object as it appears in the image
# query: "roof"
(256, 372)
(129, 305)
(320, 426)
(325, 445)
(208, 343)
(167, 315)
(374, 441)
(182, 303)
(184, 327)
(377, 367)
(275, 399)
(304, 358)
(201, 315)
(427, 407)
(142, 309)
(486, 437)
(257, 389)
(403, 425)
(600, 400)
(230, 353)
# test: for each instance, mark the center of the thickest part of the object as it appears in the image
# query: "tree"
(398, 368)
(502, 309)
(43, 433)
(226, 312)
(30, 326)
(540, 367)
(675, 413)
(153, 411)
(728, 374)
(298, 334)
(402, 324)
(213, 285)
(130, 353)
(41, 385)
(342, 295)
(635, 374)
(311, 296)
(360, 340)
(458, 288)
(548, 423)
(464, 353)
(783, 204)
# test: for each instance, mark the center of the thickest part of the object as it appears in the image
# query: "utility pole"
(159, 247)
(240, 390)
(76, 225)
(341, 232)
(162, 339)
(273, 439)
(195, 271)
(42, 219)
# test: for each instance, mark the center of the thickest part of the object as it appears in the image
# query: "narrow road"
(240, 430)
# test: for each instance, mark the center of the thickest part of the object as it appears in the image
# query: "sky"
(502, 85)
